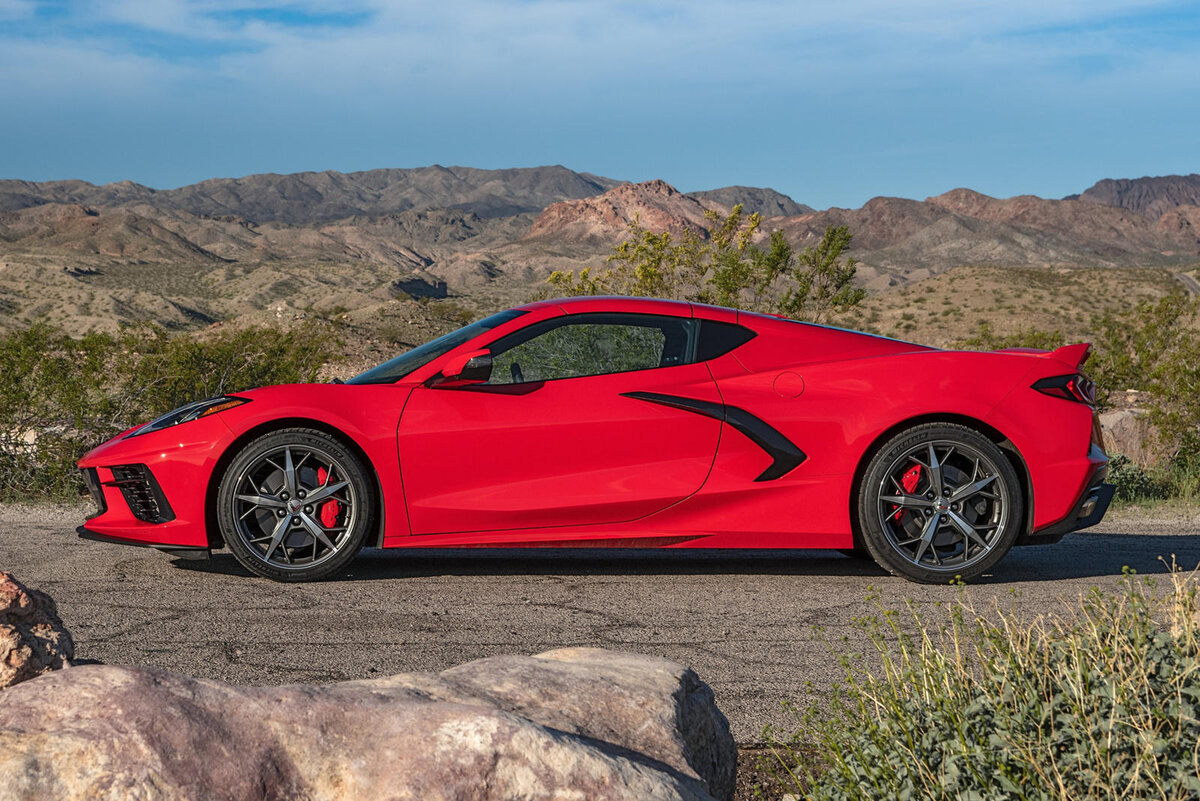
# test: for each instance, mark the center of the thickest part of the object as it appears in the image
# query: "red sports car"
(595, 422)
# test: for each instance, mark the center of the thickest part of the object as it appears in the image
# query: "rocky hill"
(1151, 197)
(90, 256)
(766, 202)
(899, 239)
(118, 234)
(604, 220)
(309, 197)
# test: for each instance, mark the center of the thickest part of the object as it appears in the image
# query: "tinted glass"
(717, 339)
(405, 363)
(591, 344)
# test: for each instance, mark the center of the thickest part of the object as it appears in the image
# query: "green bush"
(163, 372)
(727, 268)
(61, 396)
(1133, 482)
(52, 391)
(1098, 702)
(1157, 350)
(1154, 349)
(986, 338)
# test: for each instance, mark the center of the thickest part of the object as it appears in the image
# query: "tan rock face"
(1129, 432)
(570, 724)
(32, 638)
(605, 219)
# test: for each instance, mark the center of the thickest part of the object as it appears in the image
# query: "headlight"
(193, 411)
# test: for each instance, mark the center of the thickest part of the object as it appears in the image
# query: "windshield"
(395, 369)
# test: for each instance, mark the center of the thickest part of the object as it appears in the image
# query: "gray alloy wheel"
(295, 505)
(938, 501)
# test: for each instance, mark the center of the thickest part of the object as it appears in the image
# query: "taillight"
(1075, 387)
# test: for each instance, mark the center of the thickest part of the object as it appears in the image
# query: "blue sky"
(832, 103)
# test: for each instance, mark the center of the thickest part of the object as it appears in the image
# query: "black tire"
(295, 505)
(938, 501)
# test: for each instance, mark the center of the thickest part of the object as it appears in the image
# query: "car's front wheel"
(295, 505)
(938, 501)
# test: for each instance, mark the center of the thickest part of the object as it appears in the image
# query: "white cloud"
(540, 43)
(545, 46)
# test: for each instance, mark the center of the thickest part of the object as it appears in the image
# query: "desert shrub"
(1157, 350)
(1154, 349)
(727, 269)
(449, 314)
(159, 372)
(1134, 483)
(61, 396)
(986, 338)
(1100, 701)
(1185, 479)
(53, 391)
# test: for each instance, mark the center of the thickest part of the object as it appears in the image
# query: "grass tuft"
(1098, 702)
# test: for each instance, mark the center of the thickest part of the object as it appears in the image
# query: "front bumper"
(151, 490)
(174, 550)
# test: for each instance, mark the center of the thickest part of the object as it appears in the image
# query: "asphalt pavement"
(757, 626)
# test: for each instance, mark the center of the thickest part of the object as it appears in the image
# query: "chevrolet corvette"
(625, 422)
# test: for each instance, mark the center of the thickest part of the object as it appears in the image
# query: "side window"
(591, 344)
(717, 339)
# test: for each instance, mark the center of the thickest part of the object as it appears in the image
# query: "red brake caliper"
(909, 482)
(329, 509)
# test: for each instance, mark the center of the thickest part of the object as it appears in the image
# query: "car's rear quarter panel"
(857, 392)
(1055, 438)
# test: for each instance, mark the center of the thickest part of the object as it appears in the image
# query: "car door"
(563, 433)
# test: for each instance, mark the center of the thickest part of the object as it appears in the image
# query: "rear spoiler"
(1074, 355)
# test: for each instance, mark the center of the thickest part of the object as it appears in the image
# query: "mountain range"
(86, 256)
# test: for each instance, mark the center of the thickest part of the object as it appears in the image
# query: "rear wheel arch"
(375, 539)
(991, 432)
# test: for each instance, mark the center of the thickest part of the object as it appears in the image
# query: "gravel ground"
(745, 621)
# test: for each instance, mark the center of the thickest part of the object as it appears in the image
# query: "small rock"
(33, 640)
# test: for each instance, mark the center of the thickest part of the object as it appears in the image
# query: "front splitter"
(179, 551)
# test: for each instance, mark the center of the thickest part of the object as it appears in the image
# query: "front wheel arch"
(213, 530)
(1025, 483)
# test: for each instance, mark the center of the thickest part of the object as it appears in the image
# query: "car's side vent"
(142, 493)
(92, 480)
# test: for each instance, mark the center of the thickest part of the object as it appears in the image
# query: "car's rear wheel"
(295, 505)
(938, 501)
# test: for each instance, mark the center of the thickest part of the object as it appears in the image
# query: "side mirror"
(469, 368)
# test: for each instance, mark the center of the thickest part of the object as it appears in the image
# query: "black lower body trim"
(181, 551)
(1098, 496)
(784, 453)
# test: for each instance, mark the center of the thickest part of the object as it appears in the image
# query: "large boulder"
(580, 724)
(1129, 432)
(32, 637)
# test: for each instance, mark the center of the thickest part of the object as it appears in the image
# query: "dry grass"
(947, 308)
(1098, 700)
